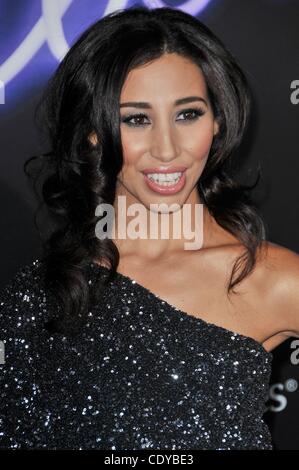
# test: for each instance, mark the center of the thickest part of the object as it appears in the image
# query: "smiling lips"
(165, 181)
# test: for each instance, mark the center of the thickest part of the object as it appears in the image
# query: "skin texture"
(266, 305)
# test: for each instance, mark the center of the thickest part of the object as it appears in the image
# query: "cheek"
(130, 149)
(131, 156)
(199, 143)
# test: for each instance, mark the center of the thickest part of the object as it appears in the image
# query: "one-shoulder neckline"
(184, 314)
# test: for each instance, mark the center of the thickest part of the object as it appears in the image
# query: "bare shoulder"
(271, 291)
(276, 265)
(280, 256)
(278, 275)
(281, 265)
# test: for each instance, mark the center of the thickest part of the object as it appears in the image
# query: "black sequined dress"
(140, 375)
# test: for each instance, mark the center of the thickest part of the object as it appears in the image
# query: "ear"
(93, 138)
(216, 127)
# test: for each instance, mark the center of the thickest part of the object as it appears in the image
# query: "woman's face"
(165, 136)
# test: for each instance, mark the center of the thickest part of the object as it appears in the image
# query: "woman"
(130, 343)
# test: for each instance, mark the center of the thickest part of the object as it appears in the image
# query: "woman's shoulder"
(23, 298)
(272, 288)
(270, 257)
(281, 264)
(278, 277)
(28, 279)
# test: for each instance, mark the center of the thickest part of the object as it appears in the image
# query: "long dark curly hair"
(82, 98)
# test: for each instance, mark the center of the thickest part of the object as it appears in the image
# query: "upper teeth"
(165, 177)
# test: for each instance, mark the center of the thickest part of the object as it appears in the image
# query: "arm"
(18, 397)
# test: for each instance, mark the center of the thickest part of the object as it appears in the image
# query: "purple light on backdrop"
(44, 31)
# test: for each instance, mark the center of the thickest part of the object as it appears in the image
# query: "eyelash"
(197, 111)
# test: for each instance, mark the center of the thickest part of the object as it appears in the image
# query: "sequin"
(141, 374)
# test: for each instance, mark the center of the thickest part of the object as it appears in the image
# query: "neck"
(149, 234)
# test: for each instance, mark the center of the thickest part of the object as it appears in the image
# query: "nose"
(164, 145)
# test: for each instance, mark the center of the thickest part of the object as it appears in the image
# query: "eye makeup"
(197, 112)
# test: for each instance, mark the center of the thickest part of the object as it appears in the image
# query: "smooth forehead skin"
(163, 81)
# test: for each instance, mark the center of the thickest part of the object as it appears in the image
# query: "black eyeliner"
(197, 111)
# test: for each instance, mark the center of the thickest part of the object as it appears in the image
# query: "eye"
(127, 119)
(197, 112)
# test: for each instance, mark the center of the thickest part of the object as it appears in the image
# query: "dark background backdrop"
(262, 34)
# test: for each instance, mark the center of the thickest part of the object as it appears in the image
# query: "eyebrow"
(144, 105)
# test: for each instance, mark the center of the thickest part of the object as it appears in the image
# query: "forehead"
(169, 77)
